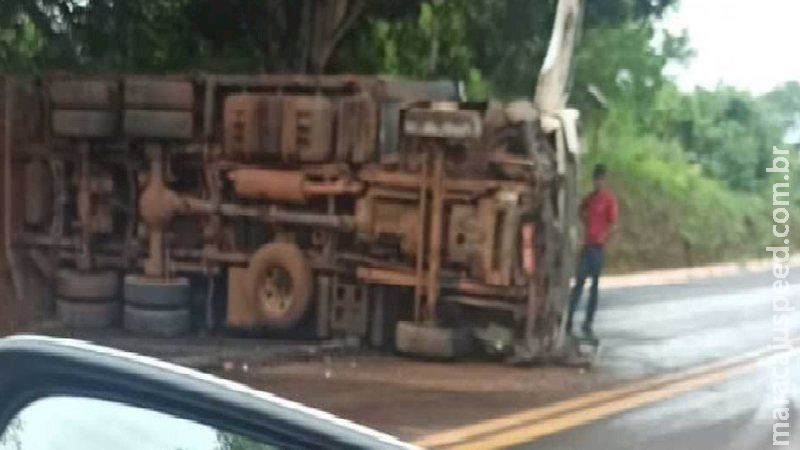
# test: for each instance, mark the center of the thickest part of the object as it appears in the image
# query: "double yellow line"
(532, 424)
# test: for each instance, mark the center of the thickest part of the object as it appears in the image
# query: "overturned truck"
(356, 206)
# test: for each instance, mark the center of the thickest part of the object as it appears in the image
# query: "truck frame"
(369, 207)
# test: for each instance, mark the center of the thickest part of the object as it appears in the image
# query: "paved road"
(671, 375)
(733, 415)
(648, 331)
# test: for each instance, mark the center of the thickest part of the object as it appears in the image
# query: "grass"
(671, 213)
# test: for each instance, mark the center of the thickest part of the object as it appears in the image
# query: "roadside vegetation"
(688, 168)
(695, 191)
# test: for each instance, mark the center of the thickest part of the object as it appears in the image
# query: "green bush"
(671, 213)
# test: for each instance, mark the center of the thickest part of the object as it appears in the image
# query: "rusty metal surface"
(465, 236)
(323, 291)
(435, 123)
(84, 94)
(349, 309)
(435, 237)
(95, 194)
(157, 206)
(411, 180)
(419, 263)
(252, 126)
(486, 302)
(84, 123)
(206, 169)
(38, 193)
(158, 94)
(529, 249)
(431, 341)
(378, 218)
(286, 185)
(300, 128)
(241, 310)
(268, 214)
(307, 129)
(356, 133)
(281, 185)
(406, 277)
(158, 124)
(379, 316)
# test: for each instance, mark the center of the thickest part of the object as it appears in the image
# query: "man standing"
(599, 214)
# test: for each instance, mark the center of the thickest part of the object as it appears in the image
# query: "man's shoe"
(588, 332)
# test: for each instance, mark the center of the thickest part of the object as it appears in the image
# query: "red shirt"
(599, 211)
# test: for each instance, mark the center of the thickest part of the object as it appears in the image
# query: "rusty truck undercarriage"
(375, 208)
(345, 205)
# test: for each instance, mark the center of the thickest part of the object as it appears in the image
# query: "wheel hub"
(276, 294)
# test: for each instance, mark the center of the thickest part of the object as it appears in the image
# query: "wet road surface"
(682, 366)
(656, 330)
(647, 330)
(735, 414)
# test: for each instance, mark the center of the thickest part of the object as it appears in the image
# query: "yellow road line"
(535, 431)
(493, 425)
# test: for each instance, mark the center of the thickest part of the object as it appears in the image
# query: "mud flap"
(432, 342)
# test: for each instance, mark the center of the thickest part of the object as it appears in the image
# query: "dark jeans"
(590, 265)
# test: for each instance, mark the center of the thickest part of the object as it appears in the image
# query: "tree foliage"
(677, 154)
(173, 35)
(502, 39)
(498, 43)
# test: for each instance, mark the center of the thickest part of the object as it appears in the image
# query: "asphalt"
(650, 330)
(733, 415)
(645, 333)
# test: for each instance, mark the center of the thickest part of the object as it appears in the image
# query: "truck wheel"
(84, 123)
(431, 341)
(94, 315)
(157, 322)
(156, 293)
(280, 283)
(96, 286)
(158, 124)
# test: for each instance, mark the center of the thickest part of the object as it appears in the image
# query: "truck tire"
(82, 315)
(152, 124)
(98, 286)
(158, 94)
(84, 123)
(280, 283)
(431, 341)
(84, 94)
(151, 293)
(157, 322)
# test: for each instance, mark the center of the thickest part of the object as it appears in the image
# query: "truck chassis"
(344, 205)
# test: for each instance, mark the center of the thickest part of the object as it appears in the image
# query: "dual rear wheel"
(279, 282)
(157, 307)
(87, 299)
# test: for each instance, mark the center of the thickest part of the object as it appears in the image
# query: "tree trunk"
(331, 20)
